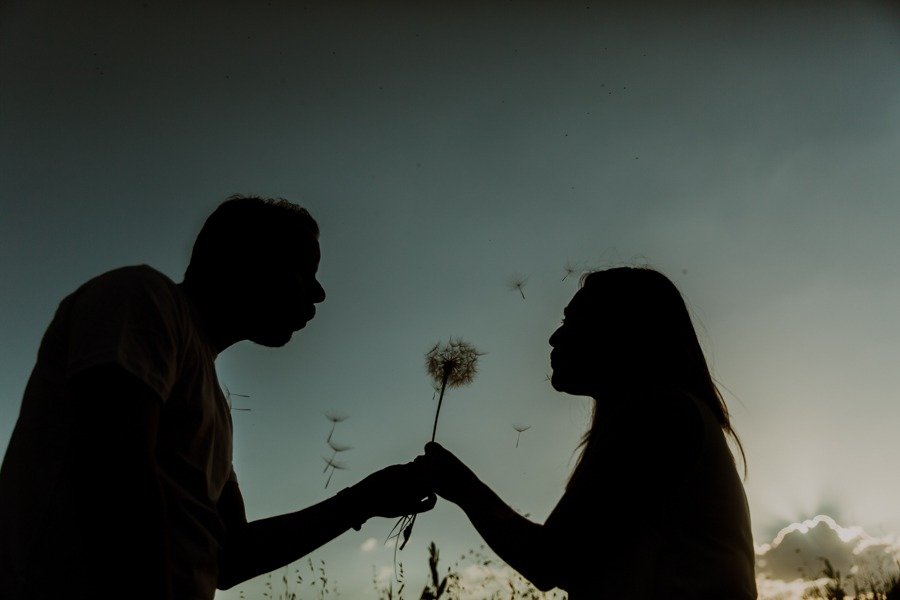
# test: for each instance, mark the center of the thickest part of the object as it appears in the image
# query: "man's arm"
(264, 545)
(118, 497)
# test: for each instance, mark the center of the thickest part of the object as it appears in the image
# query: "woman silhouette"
(655, 507)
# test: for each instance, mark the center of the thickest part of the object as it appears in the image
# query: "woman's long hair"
(647, 324)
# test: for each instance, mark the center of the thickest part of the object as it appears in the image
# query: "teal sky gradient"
(748, 152)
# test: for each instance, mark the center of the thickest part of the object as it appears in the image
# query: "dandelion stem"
(448, 368)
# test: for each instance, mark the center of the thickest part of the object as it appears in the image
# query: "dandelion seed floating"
(519, 429)
(331, 462)
(229, 394)
(335, 447)
(518, 284)
(334, 465)
(569, 270)
(335, 418)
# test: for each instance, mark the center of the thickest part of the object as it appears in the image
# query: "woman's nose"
(554, 338)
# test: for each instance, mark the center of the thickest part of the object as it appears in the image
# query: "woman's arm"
(523, 544)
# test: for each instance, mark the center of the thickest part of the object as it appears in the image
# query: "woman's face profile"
(580, 345)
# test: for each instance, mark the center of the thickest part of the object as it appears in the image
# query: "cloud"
(483, 580)
(369, 545)
(794, 559)
(383, 575)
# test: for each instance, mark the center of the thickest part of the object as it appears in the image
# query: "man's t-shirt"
(138, 319)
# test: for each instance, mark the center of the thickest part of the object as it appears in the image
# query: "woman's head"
(626, 328)
(627, 333)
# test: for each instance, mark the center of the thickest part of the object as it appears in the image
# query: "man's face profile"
(283, 295)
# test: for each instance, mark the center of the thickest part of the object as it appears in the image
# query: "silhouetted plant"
(291, 583)
(892, 585)
(867, 585)
(505, 585)
(892, 588)
(437, 586)
(833, 588)
(387, 593)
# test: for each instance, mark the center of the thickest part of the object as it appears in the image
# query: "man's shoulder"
(139, 278)
(135, 274)
(140, 285)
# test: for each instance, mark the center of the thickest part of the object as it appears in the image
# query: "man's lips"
(306, 319)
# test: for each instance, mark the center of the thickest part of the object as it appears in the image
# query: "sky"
(746, 150)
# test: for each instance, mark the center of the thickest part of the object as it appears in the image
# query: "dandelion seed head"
(456, 360)
(521, 428)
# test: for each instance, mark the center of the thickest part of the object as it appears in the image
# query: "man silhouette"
(118, 479)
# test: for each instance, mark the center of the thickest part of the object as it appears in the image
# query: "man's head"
(255, 262)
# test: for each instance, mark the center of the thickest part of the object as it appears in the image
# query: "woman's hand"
(448, 476)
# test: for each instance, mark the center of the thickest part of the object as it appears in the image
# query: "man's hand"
(392, 492)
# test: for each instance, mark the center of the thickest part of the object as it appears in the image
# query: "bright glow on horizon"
(794, 562)
(844, 533)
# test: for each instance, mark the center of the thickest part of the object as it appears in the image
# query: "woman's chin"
(273, 340)
(570, 387)
(560, 384)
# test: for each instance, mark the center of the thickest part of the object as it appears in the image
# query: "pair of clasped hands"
(413, 487)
